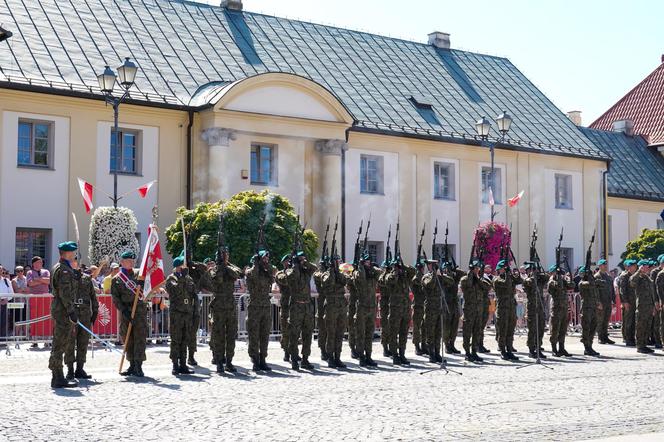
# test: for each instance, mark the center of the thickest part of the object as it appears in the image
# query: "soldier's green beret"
(528, 264)
(128, 255)
(501, 264)
(445, 265)
(601, 262)
(68, 246)
(475, 263)
(263, 253)
(365, 257)
(177, 262)
(660, 258)
(300, 254)
(629, 262)
(386, 263)
(284, 258)
(553, 268)
(653, 262)
(207, 261)
(582, 269)
(643, 262)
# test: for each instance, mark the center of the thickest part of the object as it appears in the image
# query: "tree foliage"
(112, 232)
(242, 215)
(649, 245)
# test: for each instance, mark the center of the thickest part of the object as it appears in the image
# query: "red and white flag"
(152, 264)
(86, 193)
(145, 188)
(492, 202)
(514, 201)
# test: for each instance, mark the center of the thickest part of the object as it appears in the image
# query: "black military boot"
(477, 357)
(504, 355)
(354, 354)
(439, 357)
(286, 356)
(396, 360)
(337, 361)
(220, 368)
(330, 362)
(264, 365)
(191, 361)
(214, 360)
(532, 353)
(483, 349)
(453, 350)
(562, 351)
(363, 361)
(229, 366)
(130, 371)
(324, 356)
(512, 356)
(305, 364)
(424, 348)
(138, 370)
(587, 350)
(294, 364)
(176, 368)
(402, 356)
(80, 373)
(184, 369)
(371, 362)
(256, 364)
(593, 352)
(645, 350)
(469, 357)
(554, 350)
(432, 356)
(58, 380)
(70, 372)
(386, 351)
(610, 341)
(418, 350)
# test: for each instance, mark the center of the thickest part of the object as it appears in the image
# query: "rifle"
(324, 258)
(534, 256)
(365, 246)
(357, 252)
(388, 250)
(334, 244)
(260, 239)
(588, 256)
(221, 240)
(420, 252)
(448, 256)
(397, 247)
(559, 252)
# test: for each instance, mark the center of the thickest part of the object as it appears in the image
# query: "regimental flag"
(145, 188)
(86, 193)
(152, 264)
(514, 201)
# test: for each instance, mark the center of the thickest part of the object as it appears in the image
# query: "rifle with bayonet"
(534, 256)
(357, 252)
(324, 254)
(221, 240)
(388, 250)
(589, 256)
(397, 247)
(260, 238)
(333, 257)
(365, 245)
(449, 257)
(421, 253)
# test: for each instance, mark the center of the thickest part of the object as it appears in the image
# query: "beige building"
(341, 122)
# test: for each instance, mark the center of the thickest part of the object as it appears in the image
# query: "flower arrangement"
(112, 232)
(489, 239)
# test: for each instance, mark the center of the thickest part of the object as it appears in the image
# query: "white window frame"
(438, 194)
(569, 184)
(31, 252)
(364, 174)
(138, 151)
(33, 142)
(256, 172)
(498, 182)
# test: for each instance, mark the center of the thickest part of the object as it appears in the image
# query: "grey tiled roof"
(637, 171)
(181, 46)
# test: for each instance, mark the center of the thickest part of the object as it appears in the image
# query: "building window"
(34, 143)
(125, 157)
(371, 174)
(563, 191)
(439, 251)
(443, 181)
(486, 184)
(376, 251)
(609, 228)
(567, 257)
(29, 243)
(264, 164)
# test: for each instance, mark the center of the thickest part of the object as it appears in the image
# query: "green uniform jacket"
(399, 285)
(419, 293)
(334, 286)
(474, 289)
(181, 293)
(589, 293)
(259, 284)
(87, 295)
(644, 290)
(223, 279)
(65, 283)
(299, 279)
(365, 281)
(659, 286)
(123, 298)
(557, 287)
(505, 285)
(627, 294)
(281, 278)
(529, 287)
(433, 289)
(451, 285)
(607, 294)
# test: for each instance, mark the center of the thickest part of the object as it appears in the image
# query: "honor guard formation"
(349, 301)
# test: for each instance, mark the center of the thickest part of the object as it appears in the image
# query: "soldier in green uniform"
(123, 299)
(201, 276)
(320, 306)
(504, 284)
(398, 280)
(486, 302)
(557, 287)
(473, 287)
(365, 281)
(181, 290)
(656, 323)
(334, 283)
(432, 283)
(646, 305)
(300, 310)
(384, 305)
(659, 291)
(628, 303)
(590, 305)
(607, 297)
(259, 312)
(86, 307)
(451, 314)
(281, 278)
(352, 305)
(419, 296)
(224, 312)
(533, 285)
(64, 282)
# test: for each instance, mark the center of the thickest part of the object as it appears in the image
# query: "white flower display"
(112, 232)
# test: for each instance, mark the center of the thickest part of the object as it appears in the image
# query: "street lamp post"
(107, 80)
(483, 127)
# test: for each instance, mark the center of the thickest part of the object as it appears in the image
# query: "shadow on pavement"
(153, 381)
(67, 392)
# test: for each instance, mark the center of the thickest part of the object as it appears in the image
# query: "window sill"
(372, 193)
(442, 198)
(564, 208)
(33, 166)
(126, 174)
(264, 184)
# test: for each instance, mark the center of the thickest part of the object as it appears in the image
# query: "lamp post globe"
(483, 127)
(107, 80)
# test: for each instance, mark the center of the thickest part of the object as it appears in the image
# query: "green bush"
(649, 245)
(242, 217)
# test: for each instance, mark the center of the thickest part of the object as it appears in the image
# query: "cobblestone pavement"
(618, 394)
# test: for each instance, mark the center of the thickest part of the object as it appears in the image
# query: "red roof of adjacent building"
(644, 105)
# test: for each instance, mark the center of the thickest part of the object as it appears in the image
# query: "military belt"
(186, 301)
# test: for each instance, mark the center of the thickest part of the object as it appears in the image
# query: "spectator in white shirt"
(6, 290)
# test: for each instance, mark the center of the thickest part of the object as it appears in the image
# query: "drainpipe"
(189, 157)
(343, 199)
(605, 238)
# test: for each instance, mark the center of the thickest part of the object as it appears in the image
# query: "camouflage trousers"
(352, 340)
(384, 322)
(63, 339)
(192, 337)
(418, 323)
(283, 322)
(180, 325)
(472, 326)
(629, 323)
(433, 328)
(399, 318)
(322, 331)
(603, 318)
(559, 323)
(224, 332)
(535, 312)
(656, 326)
(139, 334)
(588, 324)
(644, 318)
(259, 323)
(78, 349)
(505, 317)
(485, 317)
(365, 324)
(300, 324)
(451, 319)
(335, 325)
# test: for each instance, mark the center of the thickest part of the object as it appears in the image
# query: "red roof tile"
(644, 105)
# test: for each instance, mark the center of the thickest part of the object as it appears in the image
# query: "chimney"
(626, 126)
(440, 39)
(575, 116)
(233, 5)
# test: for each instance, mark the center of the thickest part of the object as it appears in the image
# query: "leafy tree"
(242, 215)
(649, 245)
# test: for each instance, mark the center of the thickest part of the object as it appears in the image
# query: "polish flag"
(145, 188)
(86, 193)
(152, 264)
(514, 201)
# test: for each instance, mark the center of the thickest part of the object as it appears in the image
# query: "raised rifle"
(420, 252)
(588, 256)
(388, 250)
(534, 256)
(559, 260)
(397, 247)
(221, 240)
(449, 258)
(365, 245)
(334, 245)
(357, 252)
(324, 258)
(260, 238)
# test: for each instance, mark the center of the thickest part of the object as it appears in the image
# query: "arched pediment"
(280, 94)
